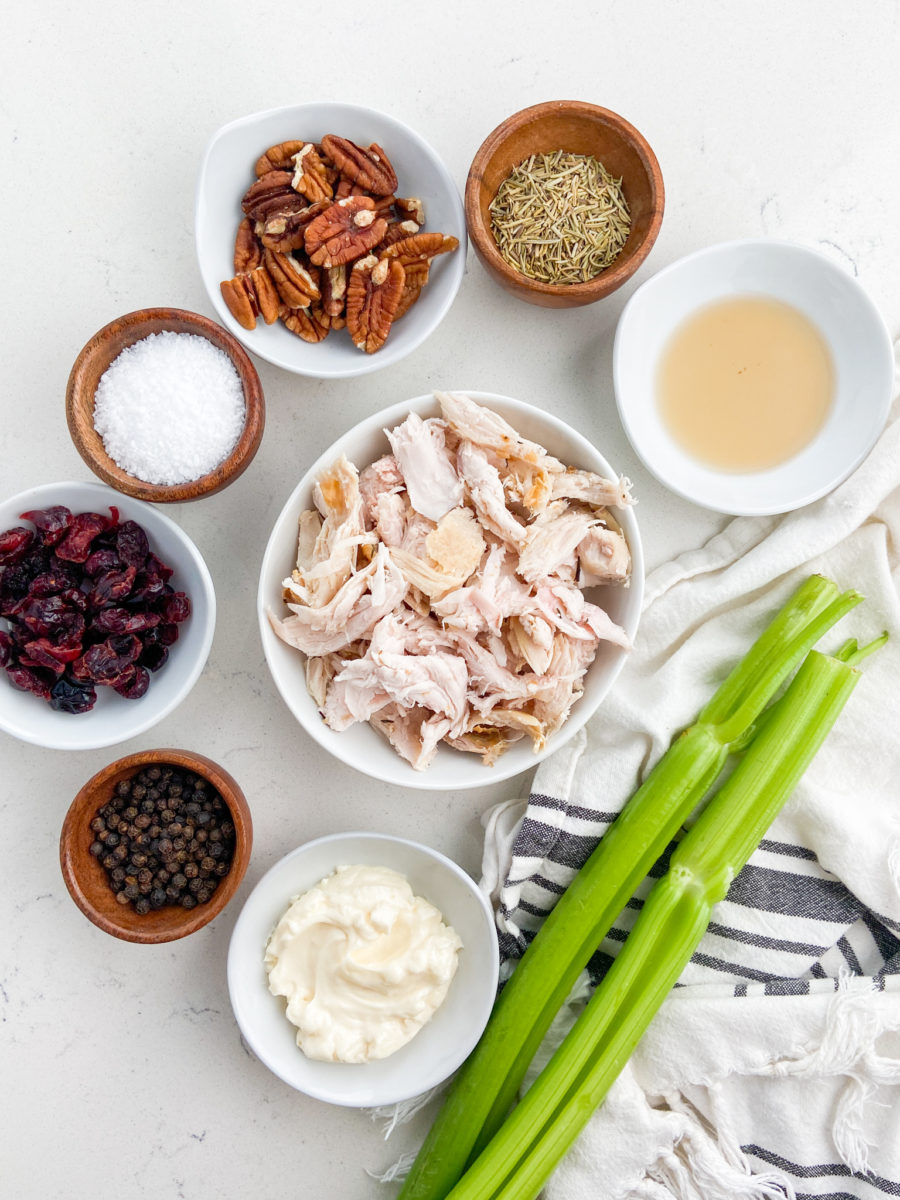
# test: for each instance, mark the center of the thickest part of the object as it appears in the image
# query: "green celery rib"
(486, 1086)
(520, 1158)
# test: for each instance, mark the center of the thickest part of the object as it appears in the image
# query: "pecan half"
(334, 290)
(370, 168)
(271, 193)
(396, 232)
(284, 231)
(250, 296)
(310, 174)
(415, 279)
(247, 252)
(410, 208)
(420, 247)
(296, 286)
(311, 324)
(345, 231)
(277, 158)
(373, 294)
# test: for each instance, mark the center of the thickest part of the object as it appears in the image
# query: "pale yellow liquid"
(745, 384)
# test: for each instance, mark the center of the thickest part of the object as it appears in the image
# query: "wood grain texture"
(86, 878)
(97, 355)
(579, 128)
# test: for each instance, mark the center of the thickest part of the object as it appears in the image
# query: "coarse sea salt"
(170, 408)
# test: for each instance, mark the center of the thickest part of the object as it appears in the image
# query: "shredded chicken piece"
(457, 543)
(603, 557)
(437, 594)
(485, 490)
(592, 489)
(354, 611)
(550, 545)
(483, 427)
(431, 481)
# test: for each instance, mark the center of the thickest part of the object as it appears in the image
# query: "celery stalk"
(521, 1157)
(486, 1085)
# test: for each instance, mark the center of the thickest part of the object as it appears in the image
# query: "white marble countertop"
(123, 1070)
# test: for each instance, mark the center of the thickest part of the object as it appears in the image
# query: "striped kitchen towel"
(773, 1069)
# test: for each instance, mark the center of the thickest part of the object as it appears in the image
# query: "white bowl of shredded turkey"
(451, 590)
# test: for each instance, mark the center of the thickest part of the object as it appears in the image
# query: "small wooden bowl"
(87, 880)
(97, 355)
(578, 128)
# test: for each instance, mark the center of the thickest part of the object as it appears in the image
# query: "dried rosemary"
(560, 218)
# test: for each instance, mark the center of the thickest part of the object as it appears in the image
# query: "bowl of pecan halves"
(331, 238)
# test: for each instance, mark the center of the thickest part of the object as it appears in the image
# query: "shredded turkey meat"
(438, 594)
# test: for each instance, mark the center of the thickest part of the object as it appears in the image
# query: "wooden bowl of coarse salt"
(165, 405)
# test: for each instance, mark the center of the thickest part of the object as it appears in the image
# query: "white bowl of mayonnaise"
(363, 968)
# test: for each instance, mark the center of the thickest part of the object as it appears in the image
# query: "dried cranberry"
(43, 651)
(103, 664)
(176, 607)
(79, 670)
(13, 544)
(7, 645)
(100, 561)
(75, 598)
(37, 655)
(154, 656)
(51, 523)
(27, 679)
(60, 577)
(112, 586)
(121, 620)
(126, 646)
(76, 545)
(44, 615)
(136, 686)
(158, 567)
(72, 696)
(132, 544)
(147, 587)
(168, 634)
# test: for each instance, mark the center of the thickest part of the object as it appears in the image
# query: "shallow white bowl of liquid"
(850, 325)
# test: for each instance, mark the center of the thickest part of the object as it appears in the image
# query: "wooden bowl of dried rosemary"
(564, 201)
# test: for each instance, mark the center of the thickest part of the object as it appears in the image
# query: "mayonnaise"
(362, 962)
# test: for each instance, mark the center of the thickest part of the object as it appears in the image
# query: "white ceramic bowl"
(830, 298)
(440, 1046)
(360, 746)
(114, 719)
(227, 172)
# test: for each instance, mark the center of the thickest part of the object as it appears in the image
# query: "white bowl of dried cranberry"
(75, 631)
(228, 170)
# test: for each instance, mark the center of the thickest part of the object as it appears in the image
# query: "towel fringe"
(852, 1028)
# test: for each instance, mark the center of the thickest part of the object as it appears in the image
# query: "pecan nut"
(410, 208)
(345, 231)
(373, 295)
(247, 252)
(310, 177)
(284, 231)
(277, 158)
(272, 193)
(396, 232)
(311, 324)
(296, 286)
(250, 296)
(371, 168)
(415, 279)
(420, 247)
(334, 290)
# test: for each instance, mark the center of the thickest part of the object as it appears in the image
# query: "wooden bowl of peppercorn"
(575, 127)
(145, 841)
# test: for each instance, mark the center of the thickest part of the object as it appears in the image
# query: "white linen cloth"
(773, 1069)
